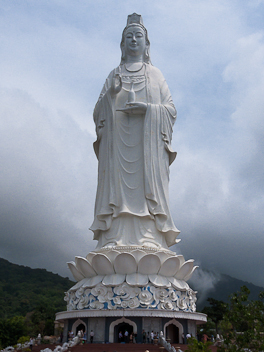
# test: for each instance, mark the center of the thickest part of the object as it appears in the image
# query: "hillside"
(22, 289)
(222, 288)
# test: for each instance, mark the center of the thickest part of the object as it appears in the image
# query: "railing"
(75, 341)
(19, 346)
(167, 345)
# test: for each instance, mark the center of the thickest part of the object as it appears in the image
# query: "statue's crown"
(134, 18)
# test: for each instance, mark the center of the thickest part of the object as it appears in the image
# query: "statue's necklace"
(134, 70)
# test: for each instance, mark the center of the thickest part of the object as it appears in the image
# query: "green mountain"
(222, 288)
(22, 290)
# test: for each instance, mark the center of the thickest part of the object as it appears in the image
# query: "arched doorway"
(120, 332)
(172, 333)
(112, 331)
(79, 328)
(79, 325)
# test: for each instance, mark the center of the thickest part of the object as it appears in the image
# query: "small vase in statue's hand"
(131, 95)
(116, 84)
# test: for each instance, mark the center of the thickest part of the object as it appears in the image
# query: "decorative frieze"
(125, 296)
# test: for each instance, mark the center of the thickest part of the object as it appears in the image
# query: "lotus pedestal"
(134, 288)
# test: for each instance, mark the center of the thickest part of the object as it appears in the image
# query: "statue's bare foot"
(109, 245)
(151, 245)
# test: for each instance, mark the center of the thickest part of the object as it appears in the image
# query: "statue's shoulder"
(111, 74)
(154, 72)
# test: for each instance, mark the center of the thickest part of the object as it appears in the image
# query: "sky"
(55, 57)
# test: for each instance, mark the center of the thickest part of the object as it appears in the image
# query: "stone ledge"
(86, 313)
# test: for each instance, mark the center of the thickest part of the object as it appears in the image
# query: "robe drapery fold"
(157, 154)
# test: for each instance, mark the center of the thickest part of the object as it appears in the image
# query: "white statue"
(132, 266)
(134, 117)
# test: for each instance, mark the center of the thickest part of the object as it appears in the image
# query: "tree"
(42, 318)
(196, 346)
(216, 311)
(11, 330)
(22, 340)
(208, 328)
(243, 323)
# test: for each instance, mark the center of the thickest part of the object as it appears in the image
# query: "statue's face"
(135, 41)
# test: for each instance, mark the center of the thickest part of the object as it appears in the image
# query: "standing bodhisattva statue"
(132, 268)
(134, 117)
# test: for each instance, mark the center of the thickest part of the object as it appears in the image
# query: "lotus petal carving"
(84, 267)
(149, 264)
(137, 279)
(158, 280)
(102, 265)
(185, 269)
(181, 258)
(114, 279)
(78, 285)
(188, 276)
(164, 255)
(112, 254)
(125, 263)
(138, 254)
(136, 267)
(170, 266)
(93, 281)
(75, 272)
(178, 284)
(90, 256)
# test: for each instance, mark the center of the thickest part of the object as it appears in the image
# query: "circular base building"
(108, 324)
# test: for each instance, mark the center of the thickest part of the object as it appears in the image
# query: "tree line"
(240, 322)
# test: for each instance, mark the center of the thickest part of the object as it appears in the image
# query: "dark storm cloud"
(44, 184)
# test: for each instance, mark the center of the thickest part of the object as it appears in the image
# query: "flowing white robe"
(134, 154)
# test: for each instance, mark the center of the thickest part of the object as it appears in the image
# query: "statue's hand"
(116, 84)
(135, 108)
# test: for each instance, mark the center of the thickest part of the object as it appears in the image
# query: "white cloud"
(204, 281)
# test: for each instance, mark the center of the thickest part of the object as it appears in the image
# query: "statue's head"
(135, 22)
